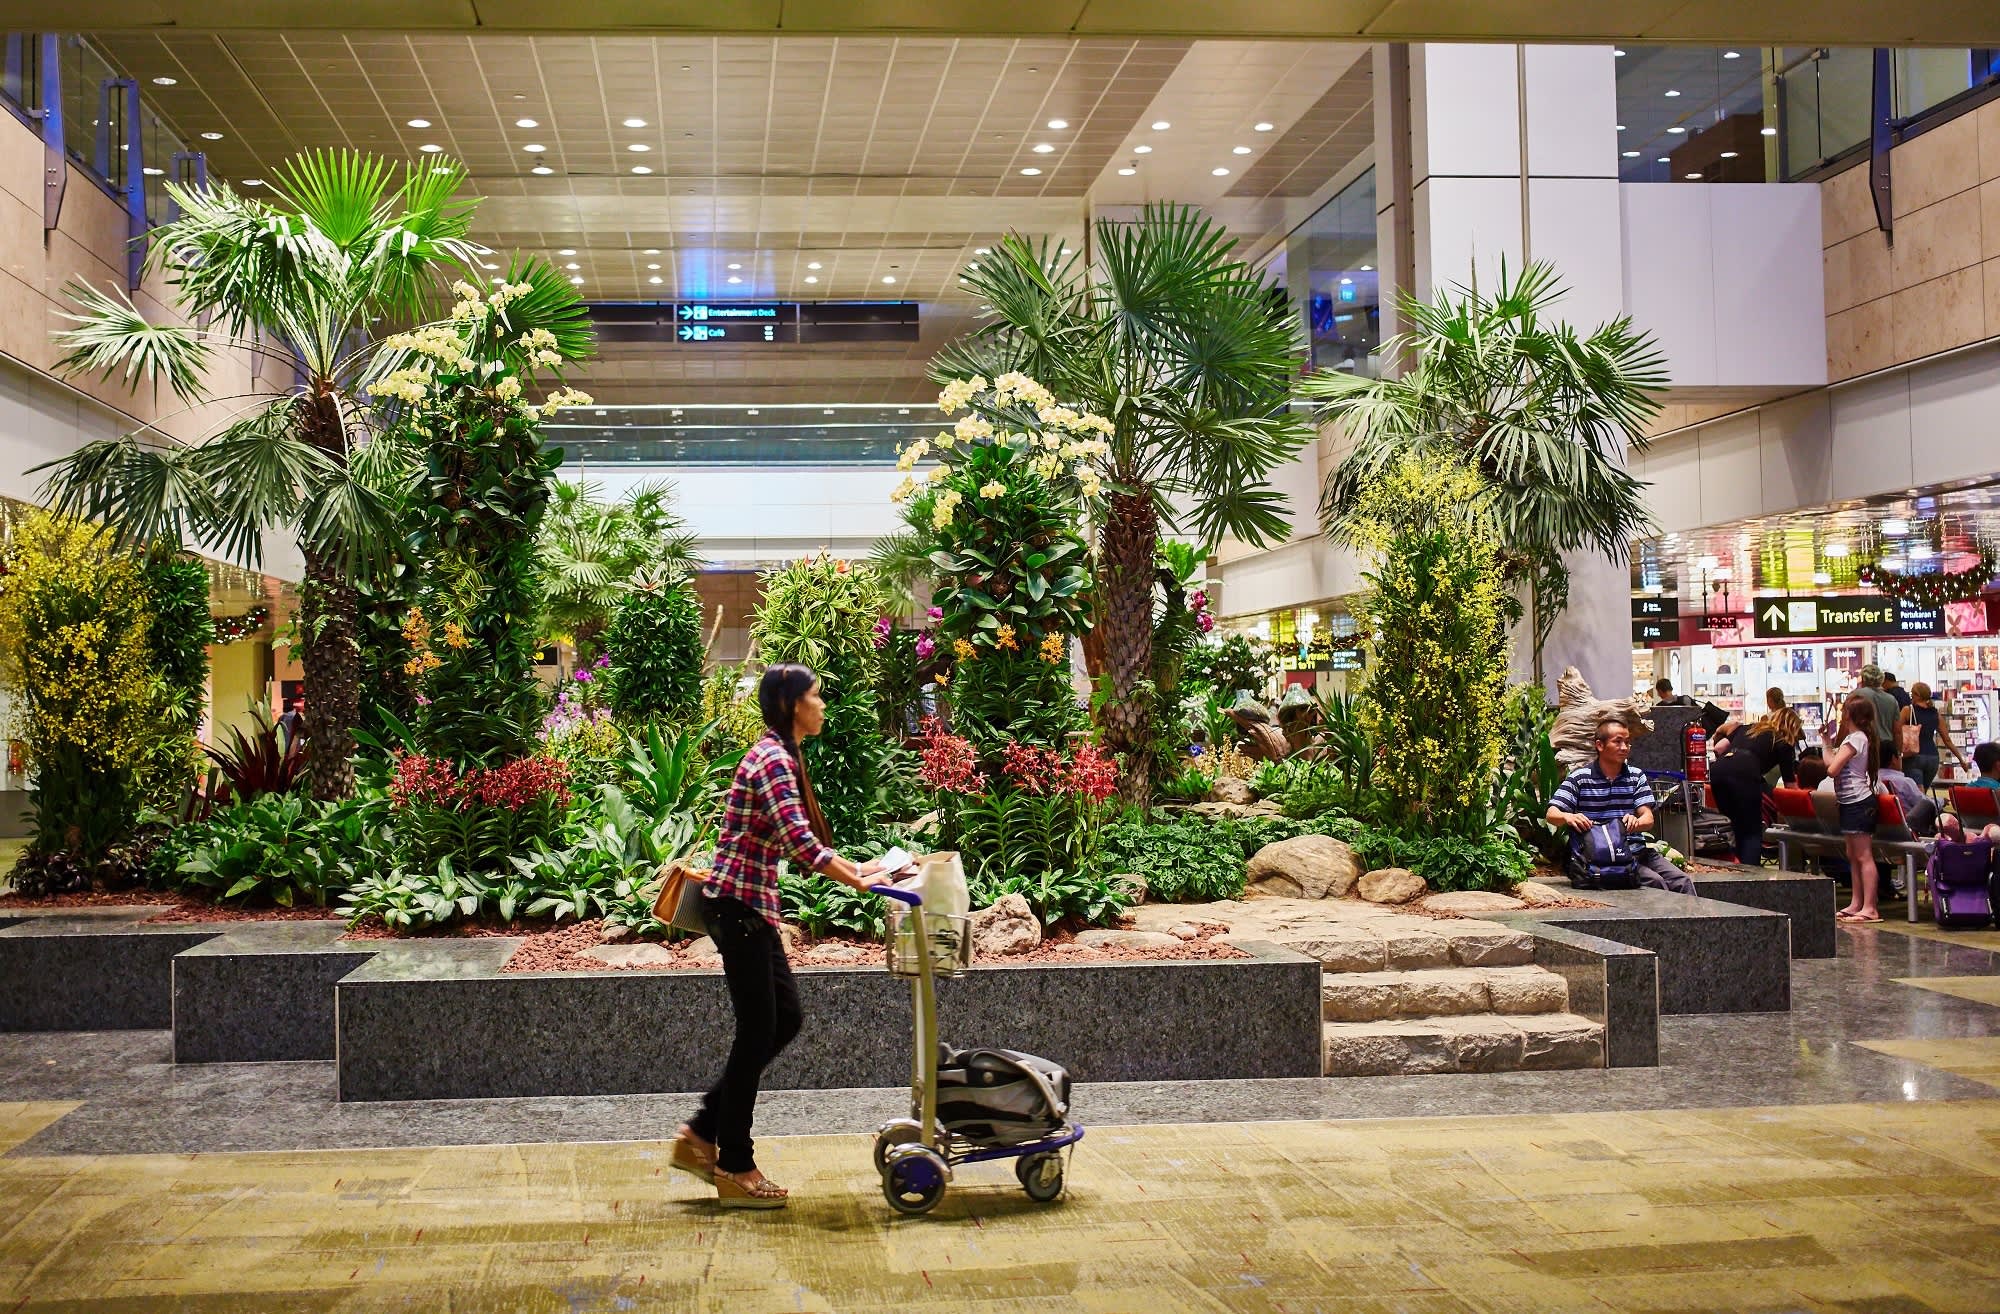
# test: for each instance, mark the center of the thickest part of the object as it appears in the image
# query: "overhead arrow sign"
(1773, 616)
(1842, 616)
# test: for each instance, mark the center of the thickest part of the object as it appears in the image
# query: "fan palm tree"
(1183, 347)
(1542, 412)
(305, 279)
(591, 550)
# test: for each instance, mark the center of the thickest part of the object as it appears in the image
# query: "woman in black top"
(1743, 759)
(1923, 764)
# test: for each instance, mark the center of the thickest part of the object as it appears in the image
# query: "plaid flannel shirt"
(763, 821)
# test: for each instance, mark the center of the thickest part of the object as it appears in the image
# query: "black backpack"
(1600, 860)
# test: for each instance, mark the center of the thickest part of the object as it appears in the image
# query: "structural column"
(1489, 153)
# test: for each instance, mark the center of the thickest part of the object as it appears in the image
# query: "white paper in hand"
(895, 860)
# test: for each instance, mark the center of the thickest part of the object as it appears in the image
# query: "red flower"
(424, 780)
(1033, 770)
(432, 780)
(949, 763)
(1092, 773)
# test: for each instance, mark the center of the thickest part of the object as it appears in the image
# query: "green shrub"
(284, 849)
(1190, 786)
(1183, 861)
(1271, 779)
(824, 906)
(656, 652)
(1076, 897)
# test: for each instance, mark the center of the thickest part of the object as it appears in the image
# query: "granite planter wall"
(1713, 957)
(1612, 984)
(99, 972)
(263, 992)
(456, 1027)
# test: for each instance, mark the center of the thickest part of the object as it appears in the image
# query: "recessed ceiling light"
(656, 279)
(1630, 155)
(974, 268)
(541, 168)
(1345, 282)
(1731, 54)
(1239, 150)
(1220, 173)
(526, 123)
(1030, 173)
(1063, 251)
(1617, 52)
(888, 278)
(1161, 125)
(1127, 171)
(1621, 127)
(572, 265)
(576, 278)
(487, 264)
(420, 123)
(1729, 155)
(1671, 93)
(568, 250)
(812, 278)
(827, 411)
(1662, 160)
(166, 82)
(1895, 526)
(977, 250)
(532, 148)
(751, 411)
(653, 265)
(812, 264)
(1691, 176)
(430, 148)
(1263, 127)
(1769, 132)
(253, 182)
(151, 172)
(734, 279)
(1043, 148)
(736, 266)
(638, 146)
(642, 168)
(1058, 124)
(1142, 150)
(1367, 268)
(635, 123)
(1677, 130)
(211, 136)
(1821, 577)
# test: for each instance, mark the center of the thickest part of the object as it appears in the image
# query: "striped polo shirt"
(1587, 790)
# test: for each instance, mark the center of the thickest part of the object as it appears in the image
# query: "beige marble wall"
(88, 243)
(1938, 287)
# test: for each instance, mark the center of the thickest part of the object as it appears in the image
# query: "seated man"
(1611, 789)
(1986, 760)
(1919, 809)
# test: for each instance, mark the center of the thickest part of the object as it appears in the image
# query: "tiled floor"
(1843, 1156)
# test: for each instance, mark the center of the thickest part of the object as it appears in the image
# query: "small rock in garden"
(631, 955)
(1231, 790)
(613, 933)
(1184, 931)
(1391, 885)
(1471, 903)
(1265, 808)
(1135, 882)
(843, 953)
(703, 952)
(1534, 892)
(1223, 811)
(1007, 926)
(1102, 938)
(793, 935)
(1305, 867)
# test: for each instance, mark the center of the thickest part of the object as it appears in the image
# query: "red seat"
(1795, 808)
(1890, 823)
(1975, 804)
(1708, 798)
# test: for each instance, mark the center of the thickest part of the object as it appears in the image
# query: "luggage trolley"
(915, 1155)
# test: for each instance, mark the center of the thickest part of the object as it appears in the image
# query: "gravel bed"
(179, 907)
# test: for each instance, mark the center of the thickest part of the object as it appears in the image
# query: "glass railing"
(844, 434)
(95, 134)
(1749, 114)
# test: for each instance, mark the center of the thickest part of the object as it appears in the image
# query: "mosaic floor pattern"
(1820, 1208)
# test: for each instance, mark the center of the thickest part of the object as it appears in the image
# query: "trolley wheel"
(914, 1179)
(1041, 1175)
(898, 1131)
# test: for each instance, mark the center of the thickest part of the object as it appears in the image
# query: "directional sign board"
(736, 322)
(1655, 631)
(1656, 608)
(1843, 616)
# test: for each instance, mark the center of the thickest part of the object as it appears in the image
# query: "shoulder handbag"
(1909, 738)
(675, 904)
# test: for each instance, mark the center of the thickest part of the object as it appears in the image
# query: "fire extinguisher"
(1696, 747)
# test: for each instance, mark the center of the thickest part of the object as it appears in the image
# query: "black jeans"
(766, 1001)
(1739, 795)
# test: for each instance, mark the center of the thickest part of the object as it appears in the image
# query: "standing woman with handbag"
(771, 814)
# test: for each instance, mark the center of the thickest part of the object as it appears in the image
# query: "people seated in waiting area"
(1920, 810)
(1745, 759)
(1612, 790)
(1986, 760)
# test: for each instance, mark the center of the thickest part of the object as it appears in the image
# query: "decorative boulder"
(1471, 903)
(1391, 885)
(1305, 867)
(1231, 790)
(641, 954)
(1534, 892)
(1574, 735)
(1107, 938)
(703, 953)
(1006, 926)
(1135, 882)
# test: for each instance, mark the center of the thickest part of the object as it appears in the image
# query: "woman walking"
(1851, 764)
(1744, 760)
(1931, 732)
(771, 814)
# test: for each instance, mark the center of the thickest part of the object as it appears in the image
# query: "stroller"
(966, 1106)
(1961, 881)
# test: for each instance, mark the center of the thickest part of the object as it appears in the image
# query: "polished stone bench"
(449, 1024)
(1713, 957)
(93, 969)
(1615, 985)
(262, 992)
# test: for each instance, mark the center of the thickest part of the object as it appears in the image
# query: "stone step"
(1482, 1042)
(1442, 992)
(1392, 943)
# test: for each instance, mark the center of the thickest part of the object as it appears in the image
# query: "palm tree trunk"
(330, 637)
(1126, 546)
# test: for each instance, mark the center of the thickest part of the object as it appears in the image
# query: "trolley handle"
(910, 897)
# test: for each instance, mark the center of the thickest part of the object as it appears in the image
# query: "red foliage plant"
(515, 785)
